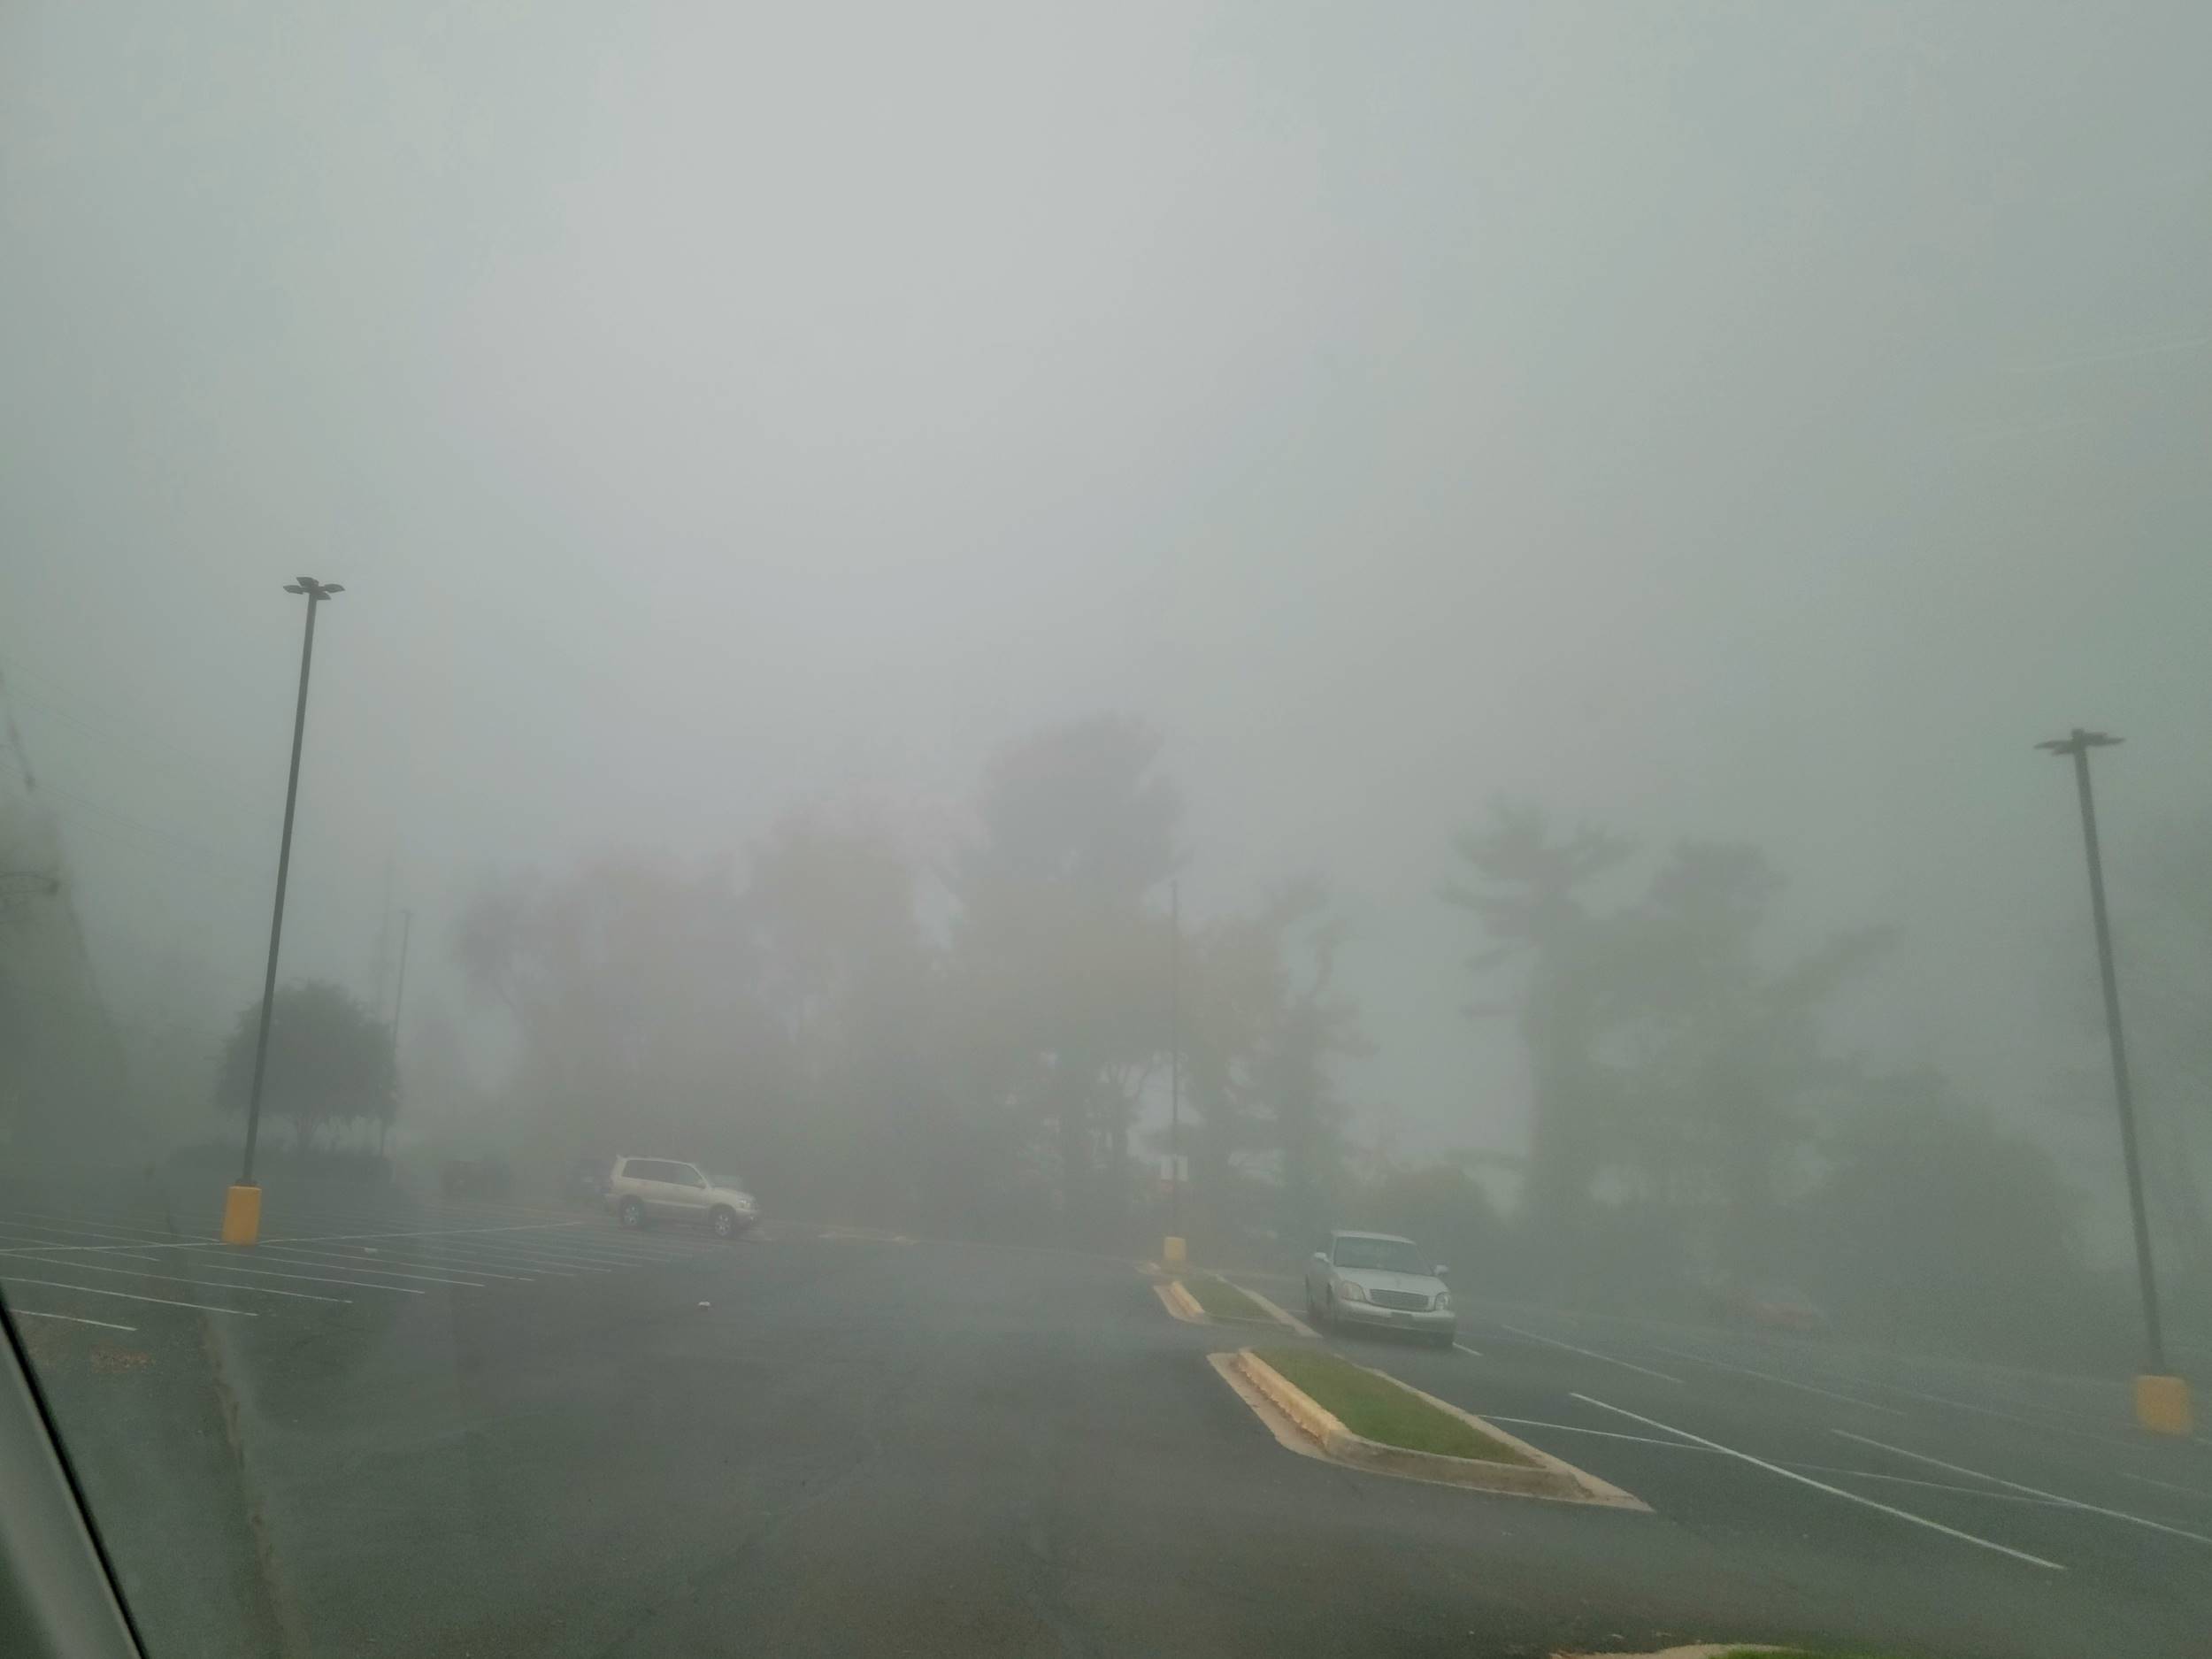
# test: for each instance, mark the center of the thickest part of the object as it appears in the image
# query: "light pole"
(1174, 1248)
(2161, 1401)
(242, 1208)
(399, 1001)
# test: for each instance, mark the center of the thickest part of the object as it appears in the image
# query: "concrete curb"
(1181, 1303)
(1544, 1476)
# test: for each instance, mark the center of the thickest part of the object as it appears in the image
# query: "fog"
(1736, 425)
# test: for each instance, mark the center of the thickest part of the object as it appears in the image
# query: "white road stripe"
(1464, 1348)
(206, 1266)
(383, 1272)
(1590, 1352)
(205, 1284)
(33, 1313)
(2071, 1503)
(1932, 1486)
(454, 1262)
(2163, 1485)
(375, 1264)
(1822, 1485)
(125, 1295)
(1768, 1376)
(117, 1255)
(1603, 1434)
(117, 1229)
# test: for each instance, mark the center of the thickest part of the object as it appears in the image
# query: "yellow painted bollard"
(2162, 1405)
(241, 1215)
(1171, 1253)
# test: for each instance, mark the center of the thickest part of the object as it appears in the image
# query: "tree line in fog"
(976, 1044)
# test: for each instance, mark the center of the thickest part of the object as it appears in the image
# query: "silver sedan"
(1377, 1281)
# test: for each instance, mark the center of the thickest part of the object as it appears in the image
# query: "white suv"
(640, 1190)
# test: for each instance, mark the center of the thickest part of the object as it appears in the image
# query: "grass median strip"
(1377, 1409)
(1224, 1301)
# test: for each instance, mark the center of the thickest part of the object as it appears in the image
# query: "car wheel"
(633, 1213)
(1327, 1315)
(1446, 1340)
(724, 1220)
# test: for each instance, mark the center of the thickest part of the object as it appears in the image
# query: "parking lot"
(115, 1263)
(1972, 1499)
(411, 1426)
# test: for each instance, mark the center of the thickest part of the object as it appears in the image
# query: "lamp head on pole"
(312, 588)
(2079, 742)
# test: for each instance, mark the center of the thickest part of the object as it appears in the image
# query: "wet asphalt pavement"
(512, 1430)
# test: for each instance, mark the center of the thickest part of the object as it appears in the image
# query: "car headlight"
(1443, 1301)
(1349, 1292)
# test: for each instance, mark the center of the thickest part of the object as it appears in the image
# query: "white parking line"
(1464, 1348)
(1590, 1352)
(125, 1295)
(205, 1284)
(376, 1263)
(384, 1272)
(1768, 1376)
(2163, 1485)
(115, 1256)
(455, 1261)
(1989, 1411)
(206, 1266)
(105, 1325)
(2071, 1503)
(1822, 1485)
(1603, 1434)
(118, 1230)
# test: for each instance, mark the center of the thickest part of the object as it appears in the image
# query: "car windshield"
(1393, 1256)
(1171, 660)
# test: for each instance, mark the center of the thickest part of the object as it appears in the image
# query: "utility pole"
(2161, 1401)
(241, 1209)
(399, 1001)
(1175, 1067)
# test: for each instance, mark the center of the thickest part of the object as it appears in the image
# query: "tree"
(1312, 1027)
(635, 988)
(1931, 1225)
(849, 976)
(1731, 1071)
(329, 1065)
(1059, 966)
(1529, 889)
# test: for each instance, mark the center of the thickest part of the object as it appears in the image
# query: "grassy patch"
(1381, 1410)
(1223, 1300)
(1790, 1652)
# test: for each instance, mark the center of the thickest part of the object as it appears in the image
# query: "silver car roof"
(1385, 1238)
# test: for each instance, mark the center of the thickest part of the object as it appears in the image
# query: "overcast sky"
(1757, 421)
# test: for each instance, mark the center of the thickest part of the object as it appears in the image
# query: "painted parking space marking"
(367, 1264)
(126, 1296)
(1822, 1485)
(1768, 1376)
(179, 1278)
(1462, 1347)
(34, 1313)
(385, 1272)
(1589, 1352)
(2071, 1503)
(1603, 1434)
(206, 1266)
